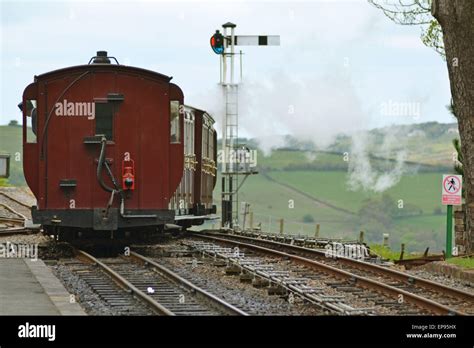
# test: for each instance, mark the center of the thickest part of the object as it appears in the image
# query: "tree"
(414, 12)
(458, 164)
(458, 169)
(455, 24)
(13, 123)
(456, 18)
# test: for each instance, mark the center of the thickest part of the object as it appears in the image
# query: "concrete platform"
(30, 288)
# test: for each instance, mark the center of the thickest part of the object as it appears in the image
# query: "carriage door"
(204, 160)
(189, 159)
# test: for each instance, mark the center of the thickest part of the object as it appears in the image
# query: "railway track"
(13, 215)
(158, 288)
(20, 208)
(433, 297)
(15, 230)
(208, 273)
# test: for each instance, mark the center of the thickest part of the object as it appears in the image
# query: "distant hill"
(428, 143)
(428, 146)
(316, 182)
(11, 143)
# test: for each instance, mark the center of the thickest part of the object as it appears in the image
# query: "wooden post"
(281, 226)
(361, 237)
(402, 251)
(316, 232)
(385, 239)
(251, 220)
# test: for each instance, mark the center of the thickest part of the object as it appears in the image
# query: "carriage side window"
(211, 144)
(31, 119)
(104, 117)
(174, 122)
(204, 141)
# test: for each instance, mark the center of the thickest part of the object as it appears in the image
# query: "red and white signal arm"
(452, 190)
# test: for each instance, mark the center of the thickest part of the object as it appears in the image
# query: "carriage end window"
(104, 117)
(174, 122)
(31, 119)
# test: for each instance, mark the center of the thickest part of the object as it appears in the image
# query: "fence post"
(402, 251)
(281, 226)
(316, 233)
(361, 237)
(251, 220)
(385, 239)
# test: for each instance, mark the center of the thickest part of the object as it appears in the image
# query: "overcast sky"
(339, 66)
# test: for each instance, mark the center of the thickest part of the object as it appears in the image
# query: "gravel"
(229, 288)
(22, 194)
(35, 238)
(87, 298)
(256, 301)
(443, 279)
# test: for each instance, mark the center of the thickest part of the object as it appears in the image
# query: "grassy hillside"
(306, 186)
(420, 191)
(317, 181)
(330, 198)
(11, 143)
(427, 143)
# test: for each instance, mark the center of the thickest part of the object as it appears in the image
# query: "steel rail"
(11, 210)
(15, 200)
(12, 220)
(362, 281)
(214, 300)
(15, 231)
(398, 275)
(155, 306)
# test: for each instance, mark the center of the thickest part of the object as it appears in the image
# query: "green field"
(464, 262)
(419, 190)
(270, 202)
(309, 187)
(11, 143)
(293, 160)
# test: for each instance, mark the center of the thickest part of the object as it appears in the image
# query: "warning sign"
(452, 190)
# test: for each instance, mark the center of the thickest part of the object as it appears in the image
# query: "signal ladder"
(231, 138)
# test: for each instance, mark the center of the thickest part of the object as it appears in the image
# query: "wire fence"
(276, 225)
(272, 224)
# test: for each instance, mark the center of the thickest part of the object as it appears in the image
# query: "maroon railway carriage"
(114, 148)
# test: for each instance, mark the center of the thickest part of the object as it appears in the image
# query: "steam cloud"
(315, 110)
(361, 173)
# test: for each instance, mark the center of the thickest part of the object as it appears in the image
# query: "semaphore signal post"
(234, 156)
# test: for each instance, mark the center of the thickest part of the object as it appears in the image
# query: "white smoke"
(316, 110)
(310, 156)
(362, 175)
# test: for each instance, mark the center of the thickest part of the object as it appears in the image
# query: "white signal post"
(230, 166)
